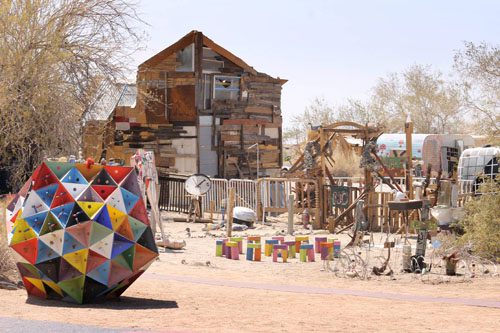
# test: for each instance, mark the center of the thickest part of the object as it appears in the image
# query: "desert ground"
(192, 290)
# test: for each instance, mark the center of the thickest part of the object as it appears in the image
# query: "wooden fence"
(173, 196)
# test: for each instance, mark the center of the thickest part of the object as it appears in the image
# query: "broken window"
(226, 87)
(186, 59)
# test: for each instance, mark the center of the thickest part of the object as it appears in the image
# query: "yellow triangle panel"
(78, 259)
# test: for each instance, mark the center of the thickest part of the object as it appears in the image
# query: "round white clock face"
(197, 184)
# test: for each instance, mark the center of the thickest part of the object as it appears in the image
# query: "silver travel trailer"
(476, 163)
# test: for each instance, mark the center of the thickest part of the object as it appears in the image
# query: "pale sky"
(334, 49)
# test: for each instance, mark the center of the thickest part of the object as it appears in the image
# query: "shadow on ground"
(122, 303)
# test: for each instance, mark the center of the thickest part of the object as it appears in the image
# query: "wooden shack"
(201, 109)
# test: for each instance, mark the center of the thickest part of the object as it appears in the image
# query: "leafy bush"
(481, 223)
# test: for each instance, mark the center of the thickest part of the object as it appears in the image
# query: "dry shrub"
(6, 262)
(346, 164)
(481, 223)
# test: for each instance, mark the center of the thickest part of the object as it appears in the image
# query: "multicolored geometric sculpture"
(81, 231)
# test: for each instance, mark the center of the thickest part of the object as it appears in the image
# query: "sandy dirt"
(195, 291)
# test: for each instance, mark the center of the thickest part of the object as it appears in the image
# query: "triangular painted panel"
(115, 200)
(54, 240)
(75, 189)
(118, 173)
(130, 184)
(78, 259)
(90, 208)
(52, 289)
(142, 256)
(45, 252)
(128, 257)
(67, 271)
(101, 273)
(116, 216)
(102, 217)
(125, 230)
(92, 288)
(147, 240)
(59, 168)
(120, 244)
(34, 287)
(21, 232)
(62, 213)
(98, 232)
(50, 268)
(139, 212)
(104, 179)
(62, 197)
(47, 193)
(28, 250)
(33, 205)
(77, 216)
(90, 195)
(70, 244)
(118, 273)
(104, 191)
(36, 221)
(81, 232)
(50, 224)
(129, 199)
(42, 177)
(75, 177)
(74, 288)
(28, 270)
(88, 172)
(94, 260)
(137, 227)
(104, 246)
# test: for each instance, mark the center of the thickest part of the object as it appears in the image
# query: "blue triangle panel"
(36, 221)
(120, 244)
(74, 176)
(62, 213)
(45, 252)
(70, 244)
(101, 273)
(129, 199)
(47, 193)
(103, 218)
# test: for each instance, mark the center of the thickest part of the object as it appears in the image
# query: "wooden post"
(230, 206)
(409, 153)
(291, 201)
(319, 220)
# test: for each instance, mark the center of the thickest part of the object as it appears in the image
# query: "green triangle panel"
(50, 224)
(137, 227)
(59, 168)
(74, 288)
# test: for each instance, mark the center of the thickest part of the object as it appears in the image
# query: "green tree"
(434, 104)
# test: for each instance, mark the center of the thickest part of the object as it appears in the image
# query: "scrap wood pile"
(255, 119)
